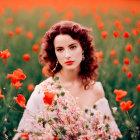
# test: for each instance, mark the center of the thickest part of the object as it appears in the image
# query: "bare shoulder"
(98, 90)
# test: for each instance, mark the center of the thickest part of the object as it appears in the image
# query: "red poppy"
(138, 87)
(49, 97)
(29, 35)
(139, 40)
(1, 96)
(115, 61)
(5, 54)
(113, 53)
(139, 76)
(126, 106)
(99, 55)
(11, 33)
(126, 34)
(46, 15)
(136, 59)
(45, 70)
(104, 10)
(26, 57)
(20, 99)
(35, 48)
(118, 25)
(30, 87)
(97, 18)
(135, 32)
(69, 15)
(18, 30)
(129, 74)
(104, 34)
(10, 20)
(127, 20)
(128, 47)
(126, 61)
(1, 11)
(100, 25)
(116, 33)
(120, 94)
(83, 12)
(41, 24)
(124, 68)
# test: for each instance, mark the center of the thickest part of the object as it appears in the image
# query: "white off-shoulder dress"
(63, 119)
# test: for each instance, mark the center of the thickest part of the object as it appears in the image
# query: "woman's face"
(68, 51)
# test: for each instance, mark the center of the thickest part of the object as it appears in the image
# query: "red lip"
(69, 62)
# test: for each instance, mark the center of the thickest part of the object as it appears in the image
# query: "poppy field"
(117, 41)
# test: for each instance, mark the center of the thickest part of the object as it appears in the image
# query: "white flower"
(114, 109)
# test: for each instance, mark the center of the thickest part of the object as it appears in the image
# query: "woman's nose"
(67, 54)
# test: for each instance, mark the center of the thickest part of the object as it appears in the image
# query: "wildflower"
(49, 97)
(139, 40)
(115, 61)
(127, 20)
(126, 61)
(100, 25)
(113, 53)
(41, 24)
(136, 59)
(20, 99)
(1, 96)
(116, 33)
(97, 18)
(129, 74)
(46, 15)
(69, 15)
(24, 136)
(129, 47)
(135, 32)
(124, 68)
(10, 20)
(99, 55)
(138, 87)
(5, 54)
(114, 109)
(30, 87)
(26, 57)
(126, 106)
(35, 48)
(120, 94)
(126, 34)
(104, 34)
(44, 70)
(29, 35)
(11, 33)
(18, 30)
(83, 12)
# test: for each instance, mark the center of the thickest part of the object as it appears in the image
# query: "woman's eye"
(73, 47)
(59, 50)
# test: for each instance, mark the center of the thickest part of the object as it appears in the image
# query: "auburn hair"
(88, 72)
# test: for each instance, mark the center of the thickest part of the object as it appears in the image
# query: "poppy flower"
(5, 54)
(83, 12)
(18, 30)
(104, 10)
(138, 87)
(124, 68)
(126, 106)
(120, 94)
(20, 99)
(29, 35)
(1, 11)
(42, 41)
(115, 61)
(136, 59)
(10, 33)
(30, 87)
(17, 84)
(126, 34)
(127, 20)
(113, 53)
(26, 57)
(10, 20)
(1, 96)
(126, 61)
(100, 25)
(99, 55)
(129, 74)
(104, 34)
(49, 97)
(46, 15)
(118, 25)
(41, 24)
(69, 15)
(139, 40)
(45, 70)
(128, 47)
(35, 48)
(135, 32)
(139, 76)
(97, 18)
(116, 33)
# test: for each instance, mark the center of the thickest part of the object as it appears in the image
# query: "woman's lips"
(69, 62)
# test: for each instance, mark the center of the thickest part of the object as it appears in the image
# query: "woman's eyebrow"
(69, 45)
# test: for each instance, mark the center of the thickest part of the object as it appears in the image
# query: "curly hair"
(88, 73)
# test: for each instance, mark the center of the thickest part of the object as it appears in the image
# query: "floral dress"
(52, 113)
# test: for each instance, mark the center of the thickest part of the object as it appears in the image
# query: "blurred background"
(116, 31)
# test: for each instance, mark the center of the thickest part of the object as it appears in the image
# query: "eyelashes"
(72, 47)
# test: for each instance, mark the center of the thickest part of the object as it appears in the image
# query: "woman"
(69, 104)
